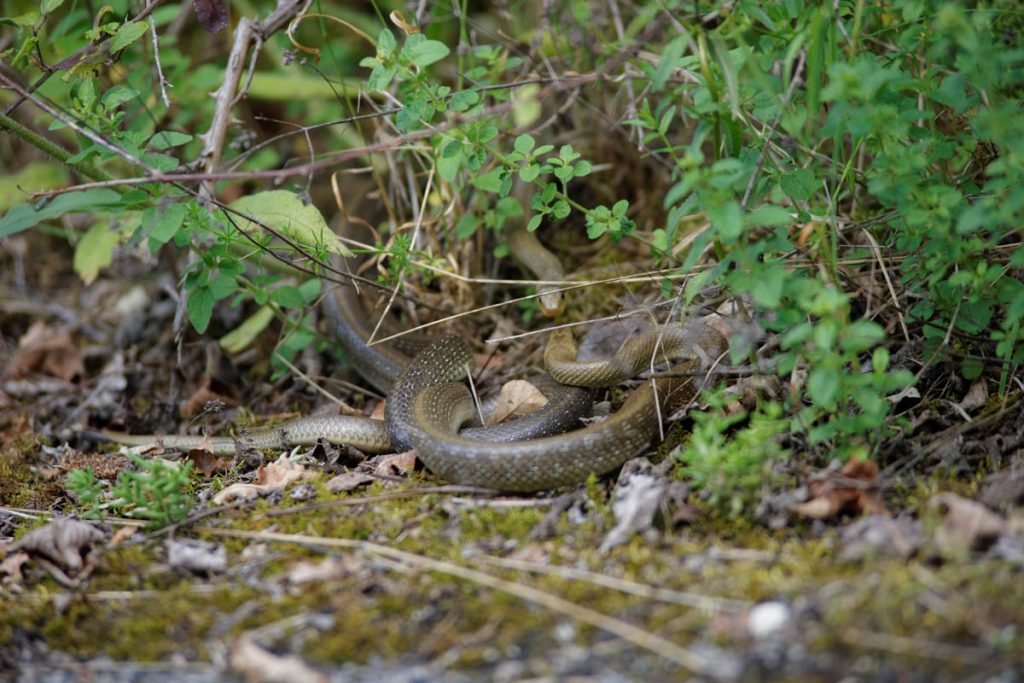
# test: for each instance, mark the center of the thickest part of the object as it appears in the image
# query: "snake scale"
(427, 404)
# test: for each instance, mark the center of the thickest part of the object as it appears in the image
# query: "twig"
(156, 58)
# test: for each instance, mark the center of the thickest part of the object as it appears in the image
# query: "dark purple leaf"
(212, 14)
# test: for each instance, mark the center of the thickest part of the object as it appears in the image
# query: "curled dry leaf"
(967, 525)
(517, 398)
(269, 478)
(65, 542)
(46, 351)
(852, 490)
(349, 481)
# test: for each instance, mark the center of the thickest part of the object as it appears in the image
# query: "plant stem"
(54, 150)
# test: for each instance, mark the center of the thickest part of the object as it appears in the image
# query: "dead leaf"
(10, 567)
(198, 557)
(269, 478)
(46, 351)
(207, 463)
(121, 535)
(281, 473)
(327, 570)
(879, 535)
(517, 398)
(397, 465)
(258, 665)
(967, 525)
(349, 481)
(63, 541)
(636, 500)
(852, 490)
(233, 492)
(976, 396)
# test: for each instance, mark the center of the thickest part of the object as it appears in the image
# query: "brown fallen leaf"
(967, 525)
(397, 465)
(349, 481)
(852, 490)
(517, 398)
(47, 351)
(207, 463)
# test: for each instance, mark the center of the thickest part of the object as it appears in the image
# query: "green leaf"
(118, 95)
(23, 216)
(582, 168)
(288, 296)
(284, 212)
(242, 336)
(200, 308)
(95, 251)
(669, 61)
(490, 181)
(823, 387)
(35, 176)
(727, 220)
(526, 107)
(799, 184)
(524, 144)
(467, 225)
(768, 215)
(161, 229)
(535, 222)
(168, 138)
(47, 6)
(127, 34)
(386, 43)
(310, 289)
(425, 53)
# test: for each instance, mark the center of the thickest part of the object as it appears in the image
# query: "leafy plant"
(730, 466)
(156, 493)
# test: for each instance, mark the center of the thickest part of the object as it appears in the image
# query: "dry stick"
(415, 234)
(707, 603)
(876, 250)
(213, 139)
(156, 59)
(634, 634)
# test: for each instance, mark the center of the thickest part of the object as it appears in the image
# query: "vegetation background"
(842, 180)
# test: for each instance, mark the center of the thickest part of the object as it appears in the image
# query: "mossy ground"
(904, 615)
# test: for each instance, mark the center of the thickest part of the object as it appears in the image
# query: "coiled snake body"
(427, 404)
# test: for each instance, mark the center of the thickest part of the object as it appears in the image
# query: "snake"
(441, 405)
(427, 404)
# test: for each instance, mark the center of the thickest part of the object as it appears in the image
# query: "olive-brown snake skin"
(441, 405)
